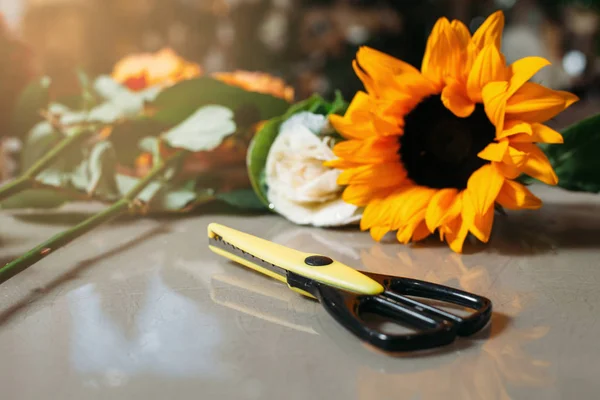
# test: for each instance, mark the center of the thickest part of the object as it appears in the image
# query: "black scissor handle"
(398, 288)
(435, 327)
(347, 308)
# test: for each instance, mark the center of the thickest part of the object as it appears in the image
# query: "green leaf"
(151, 145)
(576, 162)
(40, 140)
(126, 137)
(109, 113)
(88, 97)
(103, 170)
(264, 138)
(202, 131)
(96, 173)
(30, 102)
(54, 177)
(167, 197)
(35, 198)
(172, 199)
(245, 199)
(83, 78)
(339, 105)
(125, 183)
(312, 104)
(257, 156)
(178, 102)
(525, 180)
(119, 103)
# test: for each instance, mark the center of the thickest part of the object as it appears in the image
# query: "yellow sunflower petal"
(489, 66)
(443, 54)
(372, 150)
(539, 134)
(454, 210)
(537, 164)
(406, 232)
(357, 121)
(494, 96)
(387, 77)
(462, 32)
(438, 207)
(494, 151)
(386, 128)
(367, 81)
(523, 70)
(483, 187)
(409, 202)
(377, 175)
(490, 32)
(456, 100)
(515, 196)
(481, 227)
(456, 233)
(509, 171)
(376, 63)
(421, 232)
(468, 54)
(361, 195)
(378, 232)
(412, 86)
(429, 67)
(513, 159)
(393, 111)
(536, 103)
(340, 163)
(516, 156)
(514, 127)
(375, 214)
(360, 102)
(451, 222)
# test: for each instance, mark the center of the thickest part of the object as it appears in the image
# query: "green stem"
(27, 179)
(62, 239)
(14, 187)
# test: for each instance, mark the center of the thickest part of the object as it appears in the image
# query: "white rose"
(300, 187)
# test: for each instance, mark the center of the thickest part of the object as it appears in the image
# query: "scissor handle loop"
(434, 327)
(468, 325)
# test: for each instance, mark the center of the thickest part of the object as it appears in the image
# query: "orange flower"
(434, 150)
(257, 82)
(163, 68)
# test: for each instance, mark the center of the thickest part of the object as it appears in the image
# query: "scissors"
(349, 295)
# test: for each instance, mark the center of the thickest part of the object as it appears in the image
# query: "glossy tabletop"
(141, 309)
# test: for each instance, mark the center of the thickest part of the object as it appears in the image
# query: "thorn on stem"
(46, 251)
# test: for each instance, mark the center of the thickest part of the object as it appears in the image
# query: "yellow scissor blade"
(280, 257)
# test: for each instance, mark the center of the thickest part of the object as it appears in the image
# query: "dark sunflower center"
(439, 149)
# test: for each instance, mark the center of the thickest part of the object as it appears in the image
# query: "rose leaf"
(245, 199)
(202, 131)
(178, 102)
(30, 102)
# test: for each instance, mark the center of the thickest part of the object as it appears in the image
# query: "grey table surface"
(141, 309)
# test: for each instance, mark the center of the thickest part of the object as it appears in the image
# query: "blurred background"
(309, 43)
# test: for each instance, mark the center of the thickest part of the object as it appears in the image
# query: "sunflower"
(434, 150)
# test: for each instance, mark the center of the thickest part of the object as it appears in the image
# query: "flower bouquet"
(436, 151)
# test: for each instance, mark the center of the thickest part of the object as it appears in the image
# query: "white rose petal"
(300, 187)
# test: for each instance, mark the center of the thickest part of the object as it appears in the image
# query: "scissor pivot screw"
(318, 261)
